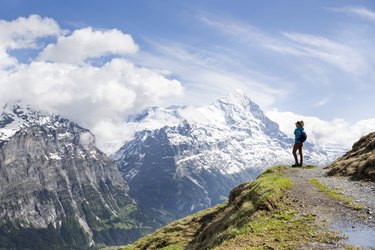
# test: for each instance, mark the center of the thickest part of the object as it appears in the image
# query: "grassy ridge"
(257, 215)
(177, 234)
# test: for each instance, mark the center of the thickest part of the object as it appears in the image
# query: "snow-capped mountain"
(183, 159)
(57, 190)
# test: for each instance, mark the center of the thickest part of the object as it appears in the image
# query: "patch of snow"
(11, 128)
(93, 154)
(54, 156)
(65, 135)
(86, 139)
(131, 174)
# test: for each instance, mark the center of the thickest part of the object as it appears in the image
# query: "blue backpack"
(303, 136)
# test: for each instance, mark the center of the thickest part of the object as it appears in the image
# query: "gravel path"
(357, 225)
(358, 191)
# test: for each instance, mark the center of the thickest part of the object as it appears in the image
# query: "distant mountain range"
(184, 159)
(57, 190)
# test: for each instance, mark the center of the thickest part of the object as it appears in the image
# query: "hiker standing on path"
(298, 143)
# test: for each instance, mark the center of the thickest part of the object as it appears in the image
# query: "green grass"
(177, 234)
(103, 247)
(281, 229)
(347, 202)
(352, 248)
(309, 166)
(361, 216)
(277, 226)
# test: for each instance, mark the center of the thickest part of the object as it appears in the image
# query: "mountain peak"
(16, 107)
(239, 99)
(238, 93)
(16, 116)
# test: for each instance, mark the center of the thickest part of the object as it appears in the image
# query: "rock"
(55, 182)
(359, 162)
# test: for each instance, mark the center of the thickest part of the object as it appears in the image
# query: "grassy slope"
(257, 214)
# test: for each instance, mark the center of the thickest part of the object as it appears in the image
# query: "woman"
(298, 144)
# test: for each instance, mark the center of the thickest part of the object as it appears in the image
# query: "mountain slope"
(358, 162)
(257, 215)
(193, 162)
(284, 208)
(57, 189)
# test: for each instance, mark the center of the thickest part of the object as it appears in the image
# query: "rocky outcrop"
(359, 162)
(57, 189)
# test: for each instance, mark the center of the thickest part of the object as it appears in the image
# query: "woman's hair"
(300, 123)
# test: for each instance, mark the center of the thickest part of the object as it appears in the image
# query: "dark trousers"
(298, 146)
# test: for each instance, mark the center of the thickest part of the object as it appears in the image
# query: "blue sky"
(307, 58)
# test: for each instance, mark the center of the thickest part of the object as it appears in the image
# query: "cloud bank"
(63, 78)
(331, 134)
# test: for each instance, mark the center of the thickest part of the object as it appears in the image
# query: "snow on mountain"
(199, 154)
(17, 116)
(13, 119)
(233, 120)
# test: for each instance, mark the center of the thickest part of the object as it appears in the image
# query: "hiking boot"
(296, 165)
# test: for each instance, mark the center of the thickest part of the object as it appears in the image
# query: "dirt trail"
(331, 213)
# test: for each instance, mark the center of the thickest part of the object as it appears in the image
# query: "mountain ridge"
(359, 162)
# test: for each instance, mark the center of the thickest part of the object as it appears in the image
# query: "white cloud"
(89, 95)
(96, 97)
(23, 33)
(6, 60)
(210, 74)
(322, 102)
(357, 11)
(336, 133)
(336, 53)
(243, 32)
(87, 43)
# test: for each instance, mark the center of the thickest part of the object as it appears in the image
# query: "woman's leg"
(295, 147)
(300, 154)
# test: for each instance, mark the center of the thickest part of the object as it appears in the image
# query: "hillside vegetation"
(257, 214)
(359, 163)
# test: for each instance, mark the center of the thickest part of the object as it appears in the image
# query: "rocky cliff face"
(358, 162)
(169, 188)
(194, 161)
(57, 190)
